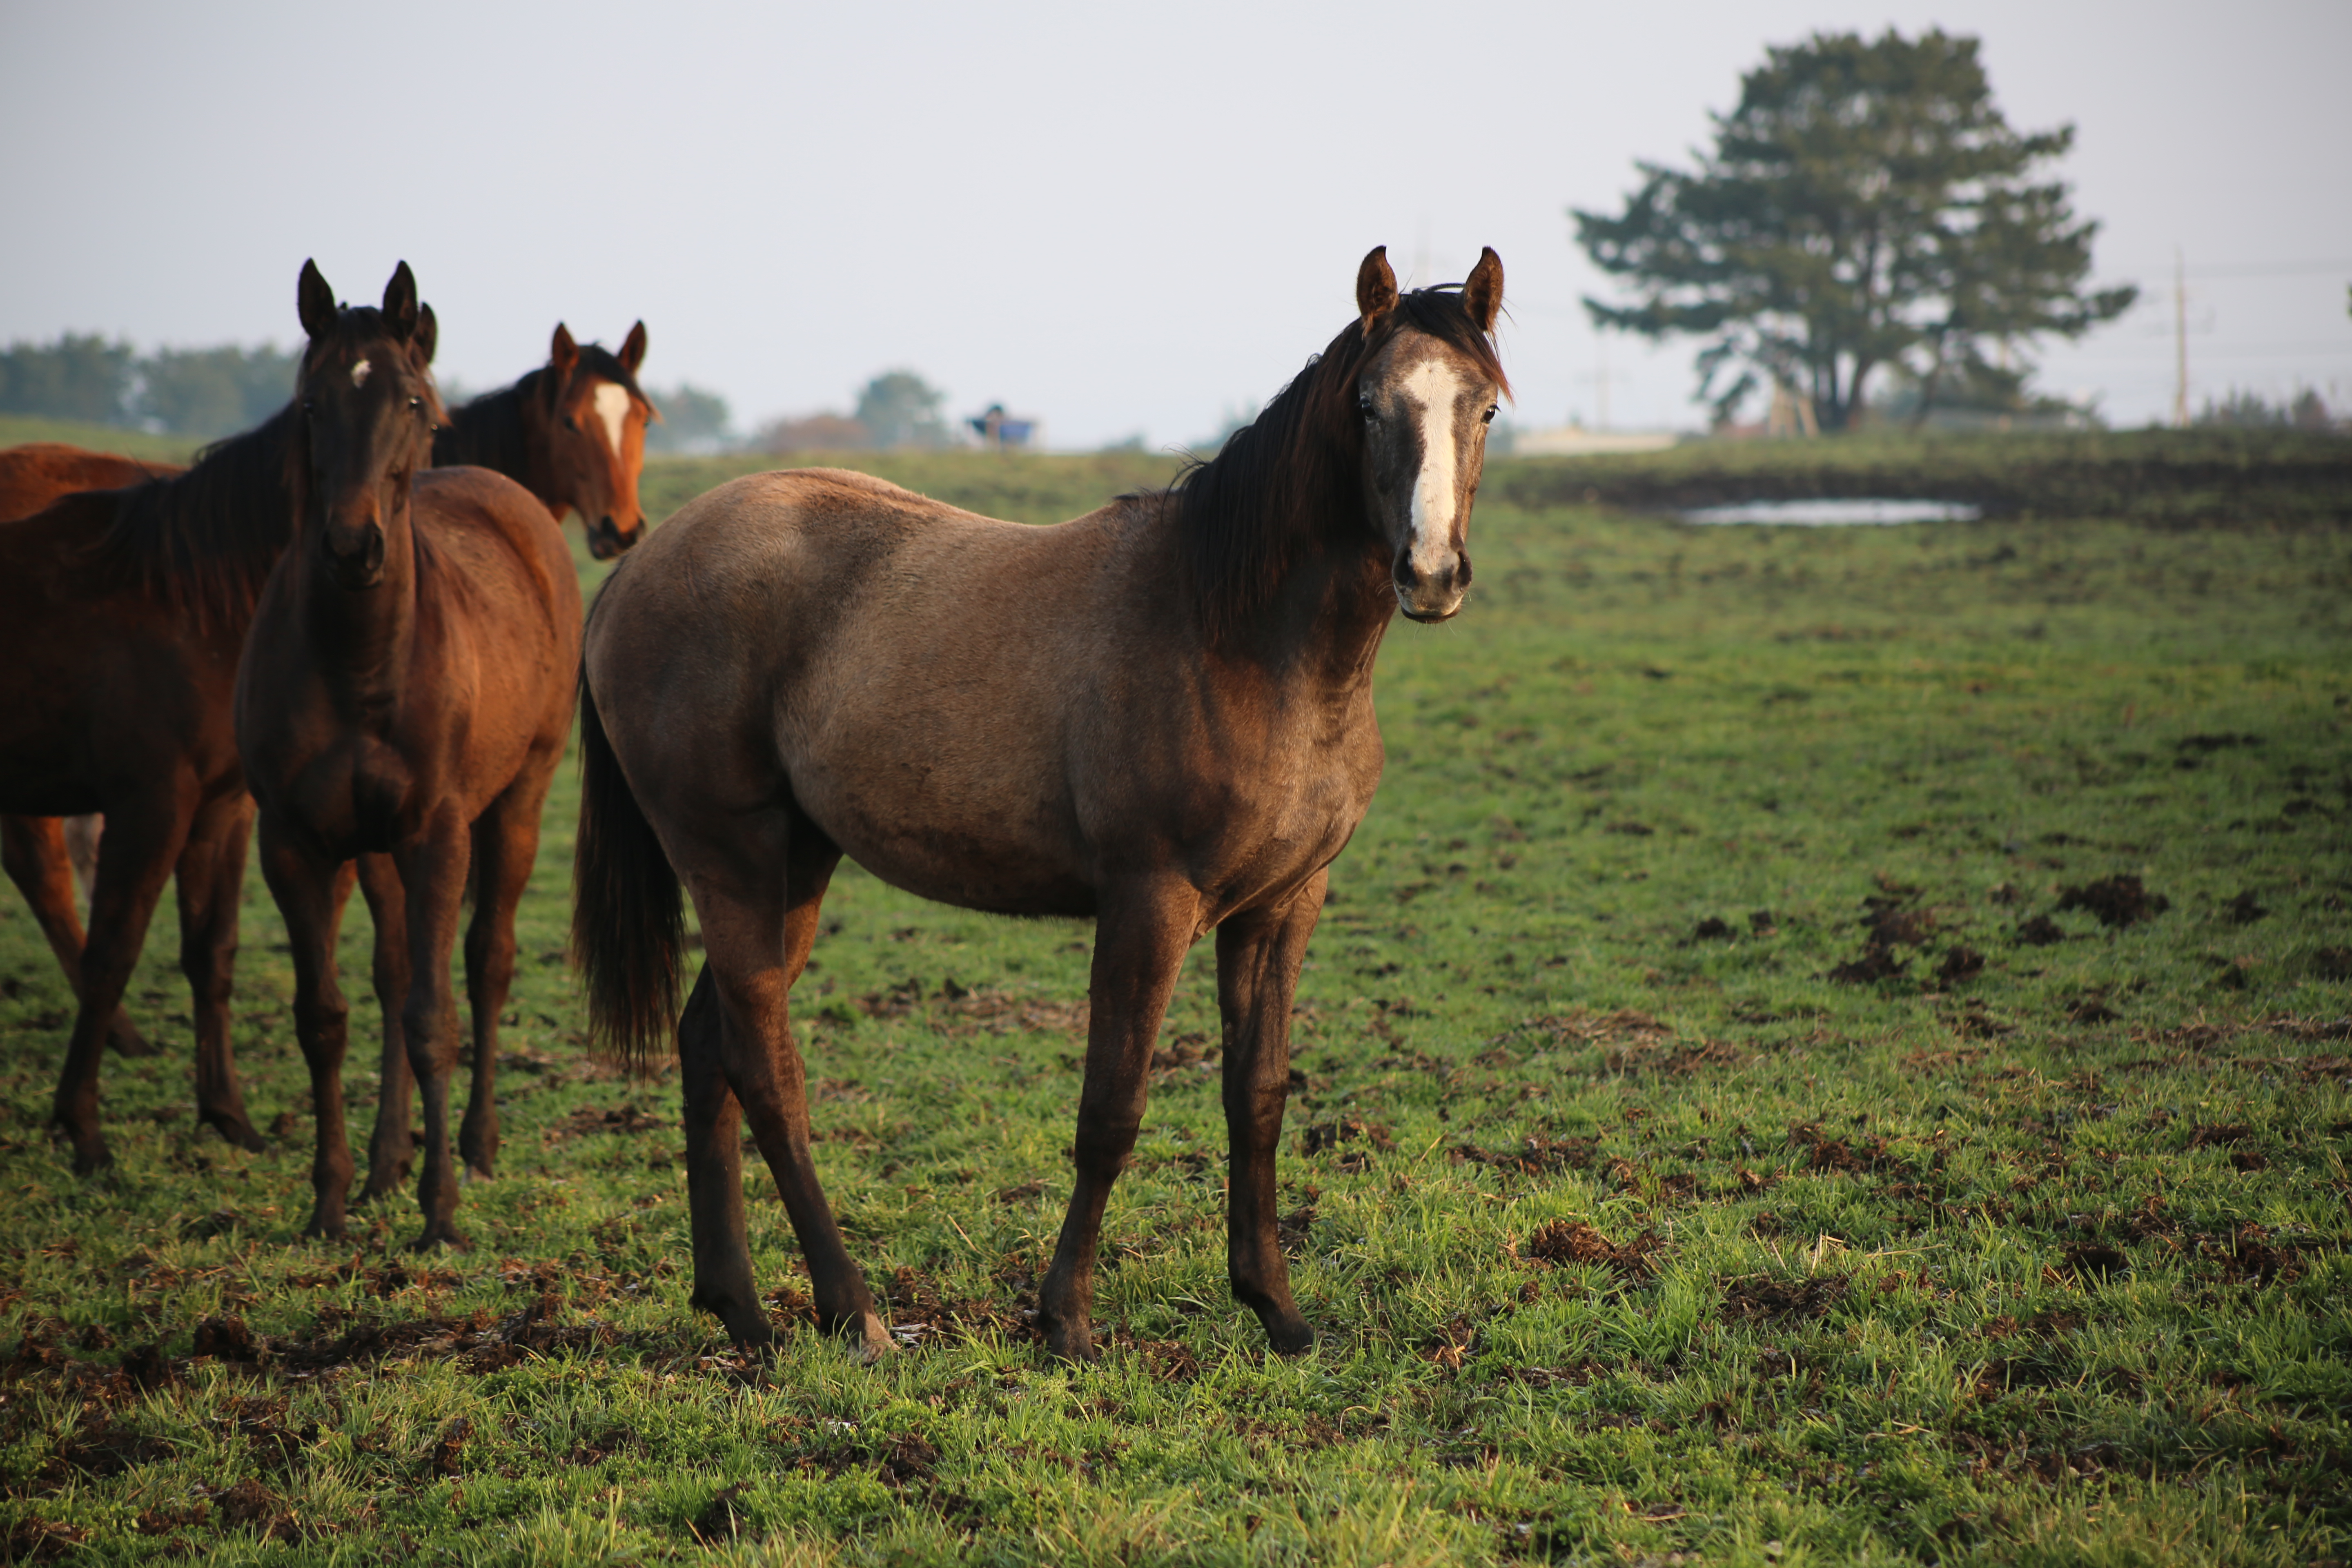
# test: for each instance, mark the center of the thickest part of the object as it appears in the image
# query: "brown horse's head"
(1425, 396)
(586, 426)
(368, 407)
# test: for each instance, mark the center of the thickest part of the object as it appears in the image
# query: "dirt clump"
(1712, 929)
(1876, 963)
(1760, 1299)
(2245, 908)
(2039, 931)
(1322, 1135)
(2116, 901)
(1962, 963)
(2092, 1260)
(1573, 1241)
(587, 1119)
(2332, 963)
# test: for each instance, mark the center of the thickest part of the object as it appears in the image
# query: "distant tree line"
(199, 393)
(2307, 410)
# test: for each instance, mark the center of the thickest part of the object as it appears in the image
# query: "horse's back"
(37, 473)
(497, 538)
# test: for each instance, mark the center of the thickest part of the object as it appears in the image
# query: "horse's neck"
(493, 432)
(365, 640)
(1321, 626)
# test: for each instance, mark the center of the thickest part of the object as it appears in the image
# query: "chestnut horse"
(1159, 714)
(44, 855)
(573, 432)
(121, 614)
(403, 700)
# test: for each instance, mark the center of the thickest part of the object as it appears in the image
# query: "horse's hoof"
(1071, 1343)
(868, 1339)
(473, 1172)
(91, 1154)
(321, 1228)
(234, 1128)
(123, 1038)
(1290, 1337)
(441, 1235)
(381, 1187)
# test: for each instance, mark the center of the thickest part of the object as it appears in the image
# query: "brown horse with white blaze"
(1159, 715)
(403, 702)
(573, 432)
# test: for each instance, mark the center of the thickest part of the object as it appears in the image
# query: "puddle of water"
(1838, 513)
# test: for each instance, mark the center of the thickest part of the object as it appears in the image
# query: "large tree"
(1866, 206)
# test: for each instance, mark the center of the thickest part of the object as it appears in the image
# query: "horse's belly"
(983, 857)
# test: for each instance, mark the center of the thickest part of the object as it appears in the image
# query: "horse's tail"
(628, 922)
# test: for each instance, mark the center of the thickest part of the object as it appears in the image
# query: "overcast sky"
(1121, 219)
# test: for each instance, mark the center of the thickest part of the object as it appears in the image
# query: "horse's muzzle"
(359, 563)
(1431, 595)
(606, 540)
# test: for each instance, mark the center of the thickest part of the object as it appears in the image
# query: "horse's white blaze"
(1433, 389)
(612, 407)
(360, 373)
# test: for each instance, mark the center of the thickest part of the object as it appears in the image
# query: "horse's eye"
(310, 406)
(1364, 407)
(417, 403)
(1488, 418)
(570, 423)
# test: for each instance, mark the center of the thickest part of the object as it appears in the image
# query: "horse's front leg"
(392, 1146)
(433, 878)
(212, 887)
(1140, 937)
(506, 843)
(1258, 955)
(308, 890)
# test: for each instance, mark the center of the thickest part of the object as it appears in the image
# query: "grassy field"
(1746, 1113)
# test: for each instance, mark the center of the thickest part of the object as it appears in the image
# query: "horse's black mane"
(489, 431)
(1294, 472)
(204, 541)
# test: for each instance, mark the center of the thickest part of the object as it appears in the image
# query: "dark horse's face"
(368, 409)
(1425, 404)
(591, 423)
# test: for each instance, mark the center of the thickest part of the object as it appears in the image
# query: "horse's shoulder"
(476, 511)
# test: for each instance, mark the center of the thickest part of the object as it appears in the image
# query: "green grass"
(17, 428)
(1626, 1244)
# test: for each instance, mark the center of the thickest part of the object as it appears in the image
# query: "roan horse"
(121, 614)
(403, 700)
(42, 853)
(1159, 714)
(573, 432)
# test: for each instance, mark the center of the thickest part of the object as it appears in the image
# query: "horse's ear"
(315, 301)
(1483, 295)
(428, 333)
(562, 352)
(632, 349)
(1376, 290)
(400, 303)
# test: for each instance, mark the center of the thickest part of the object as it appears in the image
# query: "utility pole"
(2179, 343)
(1601, 340)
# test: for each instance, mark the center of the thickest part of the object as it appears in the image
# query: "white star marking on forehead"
(360, 373)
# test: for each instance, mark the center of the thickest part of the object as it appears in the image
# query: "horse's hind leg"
(758, 937)
(1140, 936)
(210, 875)
(506, 843)
(145, 842)
(1258, 955)
(310, 893)
(714, 1174)
(38, 860)
(392, 1146)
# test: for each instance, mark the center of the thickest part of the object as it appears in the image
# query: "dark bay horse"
(403, 700)
(573, 432)
(121, 616)
(1159, 714)
(45, 855)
